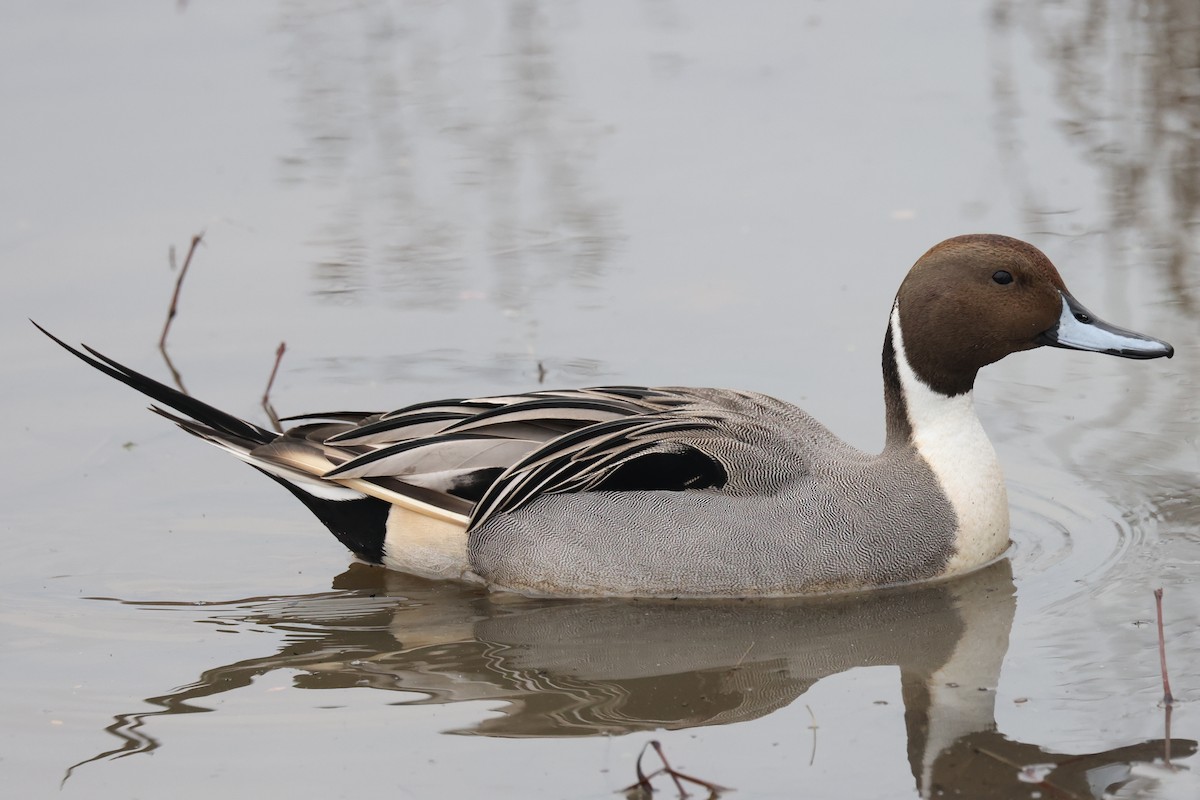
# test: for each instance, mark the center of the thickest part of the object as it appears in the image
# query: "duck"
(683, 492)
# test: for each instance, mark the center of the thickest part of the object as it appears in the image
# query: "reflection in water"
(463, 169)
(1126, 85)
(587, 668)
(1127, 80)
(431, 365)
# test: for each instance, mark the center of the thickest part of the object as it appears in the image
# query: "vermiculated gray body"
(824, 517)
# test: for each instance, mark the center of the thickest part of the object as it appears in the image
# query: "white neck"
(948, 436)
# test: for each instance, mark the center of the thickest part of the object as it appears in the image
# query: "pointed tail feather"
(357, 520)
(184, 404)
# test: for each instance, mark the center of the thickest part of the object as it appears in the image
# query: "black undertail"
(359, 524)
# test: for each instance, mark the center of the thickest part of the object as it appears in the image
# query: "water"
(428, 200)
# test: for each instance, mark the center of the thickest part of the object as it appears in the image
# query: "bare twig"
(266, 398)
(1167, 737)
(187, 261)
(644, 788)
(667, 766)
(743, 658)
(174, 372)
(812, 757)
(643, 782)
(1168, 699)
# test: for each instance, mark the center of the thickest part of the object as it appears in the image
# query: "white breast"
(948, 436)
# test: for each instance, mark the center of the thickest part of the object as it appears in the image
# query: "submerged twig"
(266, 398)
(812, 757)
(187, 261)
(1167, 737)
(644, 788)
(746, 653)
(667, 766)
(1168, 698)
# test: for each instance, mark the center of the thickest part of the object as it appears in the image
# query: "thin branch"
(812, 757)
(667, 766)
(743, 658)
(162, 340)
(1168, 698)
(644, 788)
(175, 376)
(266, 398)
(1167, 737)
(643, 782)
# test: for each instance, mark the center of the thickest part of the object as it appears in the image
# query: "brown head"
(972, 300)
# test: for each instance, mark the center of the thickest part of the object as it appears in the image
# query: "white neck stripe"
(948, 436)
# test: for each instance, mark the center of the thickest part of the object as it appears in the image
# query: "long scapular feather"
(453, 451)
(409, 426)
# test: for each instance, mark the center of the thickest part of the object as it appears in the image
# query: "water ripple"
(1067, 538)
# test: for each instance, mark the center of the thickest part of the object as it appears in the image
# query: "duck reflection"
(590, 668)
(461, 166)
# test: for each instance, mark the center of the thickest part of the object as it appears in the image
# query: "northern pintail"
(688, 492)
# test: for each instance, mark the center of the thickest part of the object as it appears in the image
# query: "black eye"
(1002, 277)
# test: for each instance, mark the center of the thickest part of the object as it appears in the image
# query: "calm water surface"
(427, 199)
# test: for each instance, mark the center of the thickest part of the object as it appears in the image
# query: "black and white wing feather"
(503, 452)
(466, 460)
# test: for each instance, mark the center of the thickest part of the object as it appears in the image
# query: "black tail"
(215, 418)
(359, 523)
